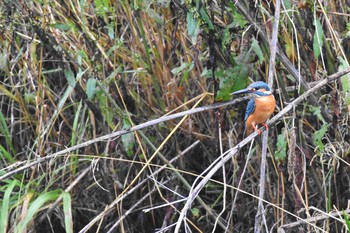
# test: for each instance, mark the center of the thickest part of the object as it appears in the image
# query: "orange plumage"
(264, 107)
(260, 107)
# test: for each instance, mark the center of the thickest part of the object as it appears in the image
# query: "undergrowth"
(73, 71)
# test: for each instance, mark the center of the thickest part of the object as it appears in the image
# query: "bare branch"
(228, 154)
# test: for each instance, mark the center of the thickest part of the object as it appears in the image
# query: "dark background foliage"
(72, 71)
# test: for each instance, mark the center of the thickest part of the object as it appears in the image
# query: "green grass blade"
(5, 154)
(69, 75)
(318, 38)
(5, 207)
(67, 209)
(347, 221)
(35, 207)
(149, 65)
(4, 131)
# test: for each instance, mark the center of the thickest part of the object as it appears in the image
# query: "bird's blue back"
(250, 108)
(259, 90)
(251, 104)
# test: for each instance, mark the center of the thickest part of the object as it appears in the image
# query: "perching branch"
(284, 59)
(228, 154)
(157, 121)
(120, 133)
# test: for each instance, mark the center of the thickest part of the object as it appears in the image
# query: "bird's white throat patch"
(261, 94)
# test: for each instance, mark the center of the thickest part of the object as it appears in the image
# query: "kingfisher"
(260, 107)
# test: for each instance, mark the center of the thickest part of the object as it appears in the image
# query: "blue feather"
(259, 84)
(250, 108)
(259, 90)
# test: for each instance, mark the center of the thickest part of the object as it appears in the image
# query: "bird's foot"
(266, 126)
(256, 129)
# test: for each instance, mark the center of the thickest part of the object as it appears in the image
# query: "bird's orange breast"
(264, 107)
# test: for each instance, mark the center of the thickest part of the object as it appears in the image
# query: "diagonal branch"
(228, 154)
(118, 134)
(154, 122)
(285, 61)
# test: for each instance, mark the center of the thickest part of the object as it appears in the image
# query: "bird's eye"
(257, 88)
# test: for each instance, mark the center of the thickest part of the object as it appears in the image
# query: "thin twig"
(260, 214)
(228, 154)
(120, 133)
(130, 191)
(139, 127)
(312, 219)
(284, 59)
(186, 184)
(67, 190)
(225, 185)
(131, 209)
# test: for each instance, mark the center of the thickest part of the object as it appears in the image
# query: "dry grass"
(72, 72)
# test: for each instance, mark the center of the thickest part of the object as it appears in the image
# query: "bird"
(260, 107)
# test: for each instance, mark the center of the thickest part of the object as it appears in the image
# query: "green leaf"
(70, 77)
(142, 156)
(317, 112)
(128, 140)
(154, 14)
(5, 132)
(347, 221)
(204, 72)
(186, 73)
(191, 24)
(206, 18)
(75, 133)
(102, 7)
(61, 26)
(317, 137)
(226, 39)
(29, 98)
(231, 80)
(177, 70)
(257, 50)
(345, 80)
(107, 112)
(195, 212)
(192, 27)
(287, 4)
(318, 38)
(237, 18)
(5, 154)
(91, 88)
(281, 149)
(110, 29)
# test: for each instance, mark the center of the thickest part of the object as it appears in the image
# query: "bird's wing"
(250, 108)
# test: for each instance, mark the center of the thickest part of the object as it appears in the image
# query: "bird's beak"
(243, 91)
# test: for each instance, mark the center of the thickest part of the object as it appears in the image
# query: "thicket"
(86, 87)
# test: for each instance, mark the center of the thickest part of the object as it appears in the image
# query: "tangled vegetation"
(76, 73)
